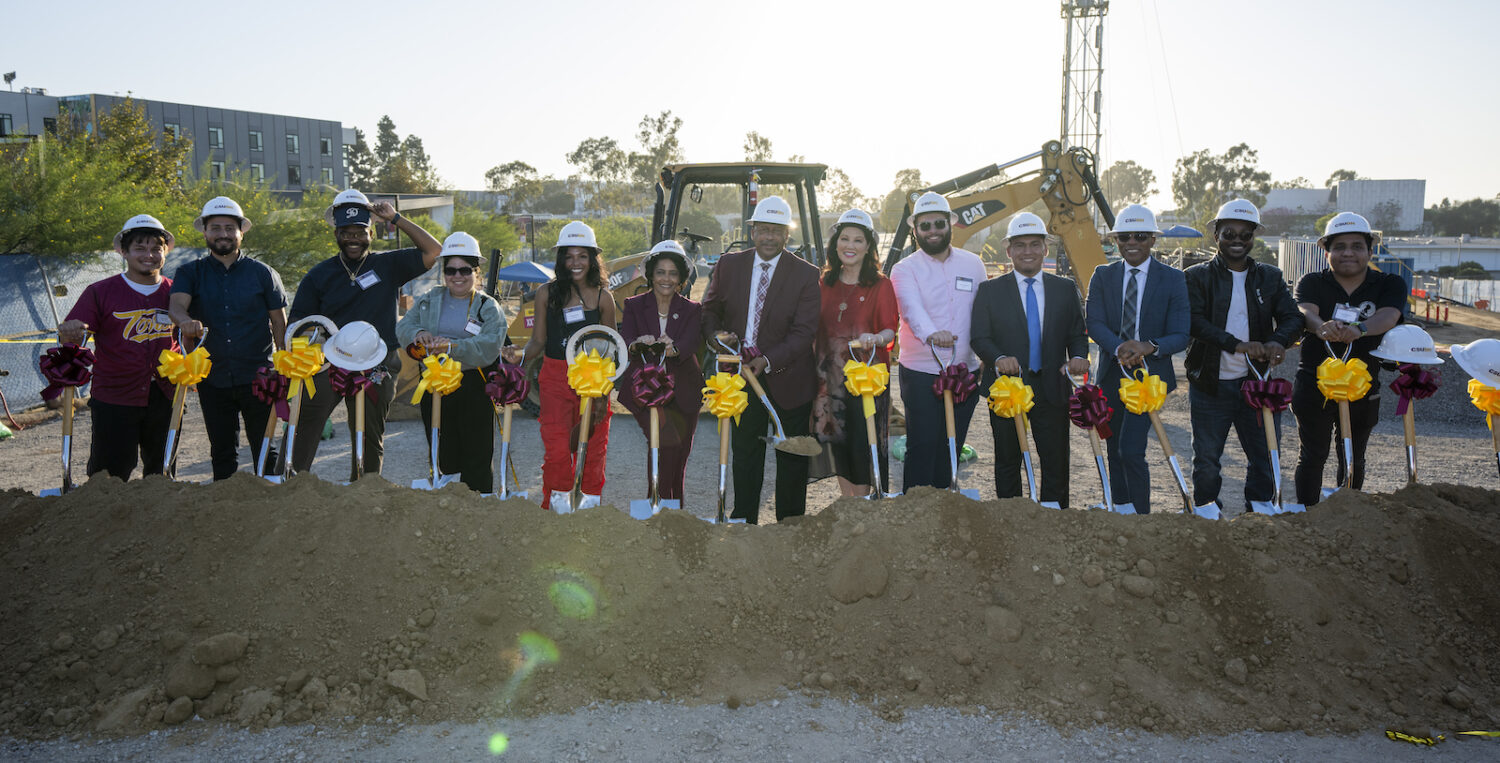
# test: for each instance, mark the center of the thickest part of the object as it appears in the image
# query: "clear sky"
(1391, 90)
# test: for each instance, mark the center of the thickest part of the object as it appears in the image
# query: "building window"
(328, 175)
(6, 125)
(291, 144)
(174, 128)
(258, 172)
(255, 141)
(216, 170)
(325, 146)
(294, 175)
(215, 137)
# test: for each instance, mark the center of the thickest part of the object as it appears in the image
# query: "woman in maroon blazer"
(664, 314)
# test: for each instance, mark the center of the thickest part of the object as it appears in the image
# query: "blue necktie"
(1033, 326)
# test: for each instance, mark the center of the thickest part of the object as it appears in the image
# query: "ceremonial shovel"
(952, 428)
(179, 403)
(67, 445)
(653, 503)
(503, 416)
(576, 499)
(729, 357)
(1093, 438)
(435, 477)
(289, 434)
(873, 436)
(1268, 423)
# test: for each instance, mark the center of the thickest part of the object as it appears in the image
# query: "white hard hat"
(1481, 359)
(1135, 218)
(1407, 344)
(576, 233)
(930, 202)
(1345, 222)
(222, 205)
(857, 217)
(668, 245)
(460, 244)
(143, 221)
(1239, 209)
(357, 347)
(1025, 224)
(772, 209)
(346, 198)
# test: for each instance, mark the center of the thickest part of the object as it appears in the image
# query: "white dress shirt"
(752, 324)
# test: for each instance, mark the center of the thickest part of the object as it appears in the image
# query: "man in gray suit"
(1138, 315)
(1029, 324)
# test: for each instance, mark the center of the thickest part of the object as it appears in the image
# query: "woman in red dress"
(858, 304)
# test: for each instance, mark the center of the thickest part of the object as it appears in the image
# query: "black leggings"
(1317, 424)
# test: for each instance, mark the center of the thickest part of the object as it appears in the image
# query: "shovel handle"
(1345, 431)
(655, 426)
(67, 412)
(505, 423)
(723, 442)
(870, 430)
(1021, 427)
(1268, 422)
(1409, 422)
(1161, 433)
(1094, 443)
(179, 402)
(948, 413)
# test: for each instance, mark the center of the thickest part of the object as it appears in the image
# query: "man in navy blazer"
(1002, 330)
(1137, 314)
(768, 299)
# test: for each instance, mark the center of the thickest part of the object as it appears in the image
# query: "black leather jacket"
(1267, 300)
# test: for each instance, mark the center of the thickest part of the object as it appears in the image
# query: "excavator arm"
(1066, 183)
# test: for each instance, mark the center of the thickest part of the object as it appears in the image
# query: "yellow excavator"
(1066, 183)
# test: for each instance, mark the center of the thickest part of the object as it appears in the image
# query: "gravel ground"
(792, 729)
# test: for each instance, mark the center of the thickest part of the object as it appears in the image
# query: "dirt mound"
(135, 606)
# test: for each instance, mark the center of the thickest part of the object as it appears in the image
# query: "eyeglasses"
(932, 225)
(458, 271)
(1134, 236)
(1229, 235)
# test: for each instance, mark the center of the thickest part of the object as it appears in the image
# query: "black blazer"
(999, 329)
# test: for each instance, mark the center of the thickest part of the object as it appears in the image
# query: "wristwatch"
(1361, 326)
(1155, 348)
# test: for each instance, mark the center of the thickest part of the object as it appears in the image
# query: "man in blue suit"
(1138, 315)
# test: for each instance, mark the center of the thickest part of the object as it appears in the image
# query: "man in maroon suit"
(768, 298)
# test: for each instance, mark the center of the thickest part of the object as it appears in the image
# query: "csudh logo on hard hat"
(774, 211)
(575, 234)
(1135, 219)
(1344, 224)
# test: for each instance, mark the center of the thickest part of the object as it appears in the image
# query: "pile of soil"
(131, 607)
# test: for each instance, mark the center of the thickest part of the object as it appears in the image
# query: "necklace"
(844, 290)
(353, 274)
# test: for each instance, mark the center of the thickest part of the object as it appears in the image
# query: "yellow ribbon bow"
(300, 363)
(186, 369)
(867, 381)
(1485, 398)
(726, 395)
(440, 374)
(1011, 397)
(1344, 381)
(1143, 392)
(590, 376)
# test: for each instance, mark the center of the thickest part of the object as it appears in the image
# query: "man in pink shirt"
(129, 406)
(935, 290)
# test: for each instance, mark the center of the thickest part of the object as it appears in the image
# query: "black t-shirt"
(234, 303)
(1322, 289)
(329, 291)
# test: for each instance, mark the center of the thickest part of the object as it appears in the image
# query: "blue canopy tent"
(525, 272)
(1181, 231)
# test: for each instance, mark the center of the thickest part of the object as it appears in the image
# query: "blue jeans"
(1212, 416)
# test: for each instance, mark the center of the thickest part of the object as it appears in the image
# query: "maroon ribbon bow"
(1088, 407)
(68, 365)
(507, 385)
(653, 386)
(750, 353)
(1412, 382)
(1275, 394)
(351, 383)
(270, 388)
(956, 379)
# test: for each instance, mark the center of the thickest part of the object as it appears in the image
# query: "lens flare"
(499, 743)
(572, 599)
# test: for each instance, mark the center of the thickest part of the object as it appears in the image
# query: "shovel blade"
(1208, 511)
(641, 508)
(1265, 507)
(970, 493)
(50, 492)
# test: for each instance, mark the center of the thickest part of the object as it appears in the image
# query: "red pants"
(560, 416)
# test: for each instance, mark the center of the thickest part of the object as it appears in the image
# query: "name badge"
(472, 327)
(573, 314)
(1345, 314)
(963, 284)
(367, 280)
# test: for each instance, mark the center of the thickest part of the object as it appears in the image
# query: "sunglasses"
(932, 225)
(1134, 236)
(458, 271)
(1232, 236)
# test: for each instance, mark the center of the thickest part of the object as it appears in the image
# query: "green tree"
(1386, 215)
(1338, 175)
(493, 231)
(757, 147)
(892, 206)
(387, 144)
(360, 162)
(599, 159)
(659, 146)
(519, 181)
(700, 221)
(1203, 181)
(402, 165)
(1126, 182)
(837, 193)
(1476, 217)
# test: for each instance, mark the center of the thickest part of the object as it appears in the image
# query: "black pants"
(1317, 424)
(1049, 428)
(926, 460)
(121, 433)
(466, 435)
(223, 408)
(317, 409)
(750, 458)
